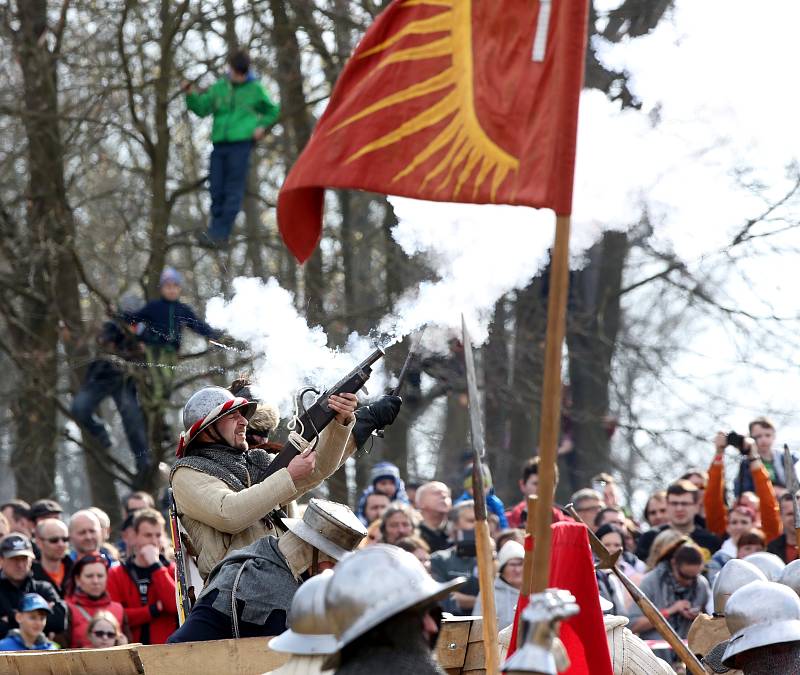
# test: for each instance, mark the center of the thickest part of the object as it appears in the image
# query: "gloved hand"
(376, 415)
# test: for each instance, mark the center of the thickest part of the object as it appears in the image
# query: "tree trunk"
(48, 266)
(530, 323)
(497, 404)
(450, 466)
(592, 328)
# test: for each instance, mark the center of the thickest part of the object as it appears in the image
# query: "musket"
(608, 561)
(184, 604)
(395, 391)
(403, 371)
(315, 418)
(482, 538)
(792, 485)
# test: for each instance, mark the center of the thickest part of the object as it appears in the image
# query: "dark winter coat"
(11, 597)
(165, 319)
(40, 574)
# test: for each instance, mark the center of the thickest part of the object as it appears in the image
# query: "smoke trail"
(290, 355)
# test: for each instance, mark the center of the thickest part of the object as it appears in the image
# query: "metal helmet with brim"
(206, 406)
(310, 631)
(375, 584)
(761, 614)
(790, 576)
(770, 564)
(329, 527)
(733, 575)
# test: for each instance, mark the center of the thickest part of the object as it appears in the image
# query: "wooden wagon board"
(460, 651)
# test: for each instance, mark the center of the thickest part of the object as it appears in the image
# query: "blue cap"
(33, 601)
(171, 274)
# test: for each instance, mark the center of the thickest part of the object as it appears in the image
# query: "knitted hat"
(509, 551)
(384, 470)
(170, 274)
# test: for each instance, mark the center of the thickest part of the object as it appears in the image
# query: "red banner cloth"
(449, 100)
(572, 568)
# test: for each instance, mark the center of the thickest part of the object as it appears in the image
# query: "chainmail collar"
(237, 469)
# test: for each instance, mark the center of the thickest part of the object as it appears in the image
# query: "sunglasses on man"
(55, 540)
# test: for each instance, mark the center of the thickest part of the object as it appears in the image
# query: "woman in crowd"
(506, 584)
(104, 630)
(374, 535)
(613, 538)
(87, 595)
(752, 541)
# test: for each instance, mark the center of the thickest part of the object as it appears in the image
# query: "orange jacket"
(717, 512)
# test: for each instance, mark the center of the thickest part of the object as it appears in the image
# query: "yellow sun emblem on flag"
(467, 147)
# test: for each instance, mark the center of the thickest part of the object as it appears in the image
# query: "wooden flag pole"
(551, 402)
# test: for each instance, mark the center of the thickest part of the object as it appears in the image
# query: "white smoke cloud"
(289, 354)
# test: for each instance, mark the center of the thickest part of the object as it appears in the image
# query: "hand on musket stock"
(608, 561)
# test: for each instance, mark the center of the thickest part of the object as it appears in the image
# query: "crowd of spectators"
(63, 583)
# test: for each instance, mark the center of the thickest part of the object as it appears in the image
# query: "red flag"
(572, 568)
(449, 100)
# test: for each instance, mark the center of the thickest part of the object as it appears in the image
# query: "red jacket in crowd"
(123, 589)
(516, 516)
(81, 610)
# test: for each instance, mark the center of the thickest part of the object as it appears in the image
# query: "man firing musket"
(227, 495)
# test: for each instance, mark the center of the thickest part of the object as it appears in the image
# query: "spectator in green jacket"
(243, 112)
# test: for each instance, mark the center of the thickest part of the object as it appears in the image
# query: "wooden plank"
(113, 661)
(476, 631)
(476, 657)
(246, 656)
(452, 646)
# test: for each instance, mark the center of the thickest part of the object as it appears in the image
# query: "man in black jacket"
(682, 507)
(16, 580)
(785, 546)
